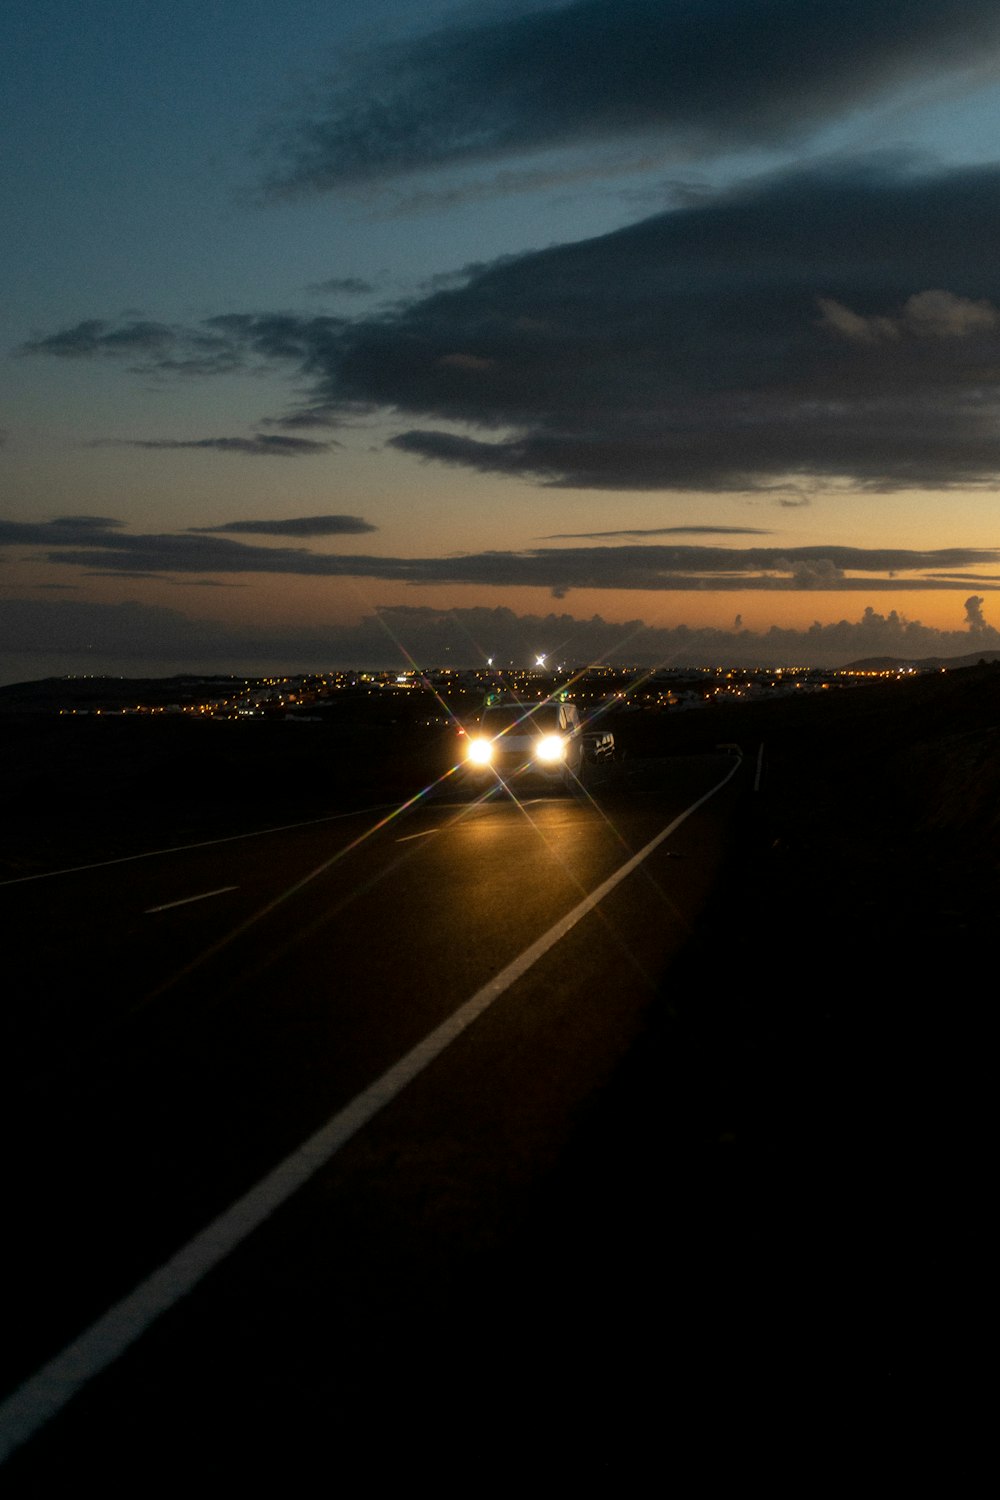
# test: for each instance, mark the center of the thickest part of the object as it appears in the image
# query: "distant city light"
(301, 698)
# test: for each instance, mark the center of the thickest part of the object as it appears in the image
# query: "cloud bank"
(143, 638)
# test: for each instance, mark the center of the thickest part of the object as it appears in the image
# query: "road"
(191, 1017)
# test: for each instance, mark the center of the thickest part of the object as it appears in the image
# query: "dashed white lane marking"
(186, 900)
(46, 1392)
(408, 836)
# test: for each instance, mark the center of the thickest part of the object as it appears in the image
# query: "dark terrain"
(771, 1223)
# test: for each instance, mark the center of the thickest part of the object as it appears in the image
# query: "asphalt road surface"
(277, 1105)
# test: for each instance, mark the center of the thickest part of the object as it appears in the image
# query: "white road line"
(408, 836)
(53, 1386)
(186, 900)
(231, 838)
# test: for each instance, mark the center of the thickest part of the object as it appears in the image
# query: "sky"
(656, 331)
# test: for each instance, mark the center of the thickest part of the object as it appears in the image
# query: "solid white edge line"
(43, 1394)
(186, 900)
(230, 838)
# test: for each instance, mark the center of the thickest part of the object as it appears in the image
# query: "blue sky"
(655, 329)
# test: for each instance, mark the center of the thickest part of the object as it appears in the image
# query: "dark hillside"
(783, 1191)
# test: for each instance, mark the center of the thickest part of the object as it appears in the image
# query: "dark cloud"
(218, 346)
(575, 536)
(65, 531)
(277, 337)
(331, 412)
(696, 350)
(189, 553)
(651, 567)
(297, 526)
(93, 336)
(146, 347)
(261, 445)
(699, 79)
(974, 616)
(828, 324)
(88, 636)
(85, 524)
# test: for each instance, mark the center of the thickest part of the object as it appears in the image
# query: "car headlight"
(550, 748)
(480, 752)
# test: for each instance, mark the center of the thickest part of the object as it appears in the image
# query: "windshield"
(521, 718)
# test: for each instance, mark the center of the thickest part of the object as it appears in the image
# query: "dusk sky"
(344, 333)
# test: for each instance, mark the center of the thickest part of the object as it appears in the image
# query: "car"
(535, 743)
(598, 746)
